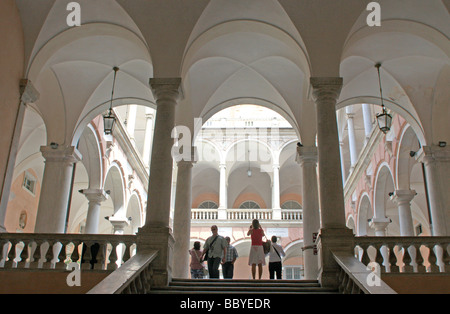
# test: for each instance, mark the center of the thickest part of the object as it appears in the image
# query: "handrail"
(133, 277)
(356, 278)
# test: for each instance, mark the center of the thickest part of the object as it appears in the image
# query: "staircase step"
(227, 286)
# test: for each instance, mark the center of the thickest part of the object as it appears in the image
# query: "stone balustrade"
(405, 254)
(57, 251)
(287, 215)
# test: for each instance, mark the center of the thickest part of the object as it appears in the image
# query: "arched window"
(249, 205)
(208, 205)
(291, 205)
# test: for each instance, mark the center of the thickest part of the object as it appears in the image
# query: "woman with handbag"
(256, 256)
(197, 267)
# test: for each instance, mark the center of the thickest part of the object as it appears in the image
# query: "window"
(208, 205)
(291, 205)
(293, 272)
(249, 205)
(29, 182)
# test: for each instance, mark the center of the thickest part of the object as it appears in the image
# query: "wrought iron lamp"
(109, 119)
(384, 119)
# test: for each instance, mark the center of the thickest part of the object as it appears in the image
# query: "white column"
(403, 200)
(223, 200)
(276, 214)
(351, 136)
(326, 92)
(182, 219)
(56, 184)
(156, 233)
(166, 93)
(437, 175)
(148, 137)
(131, 122)
(367, 116)
(307, 157)
(333, 232)
(341, 153)
(95, 198)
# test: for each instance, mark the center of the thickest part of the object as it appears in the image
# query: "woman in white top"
(275, 258)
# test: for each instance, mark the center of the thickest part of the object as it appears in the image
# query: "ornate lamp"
(384, 119)
(109, 119)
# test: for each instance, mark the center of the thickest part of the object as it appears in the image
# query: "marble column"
(351, 137)
(326, 92)
(56, 185)
(403, 200)
(223, 200)
(182, 219)
(307, 158)
(367, 117)
(167, 93)
(95, 198)
(148, 137)
(156, 233)
(334, 235)
(276, 214)
(436, 160)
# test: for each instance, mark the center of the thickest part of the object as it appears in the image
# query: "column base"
(336, 239)
(158, 238)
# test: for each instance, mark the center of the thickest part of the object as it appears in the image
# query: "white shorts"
(257, 255)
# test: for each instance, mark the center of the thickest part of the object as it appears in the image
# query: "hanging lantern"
(384, 119)
(110, 119)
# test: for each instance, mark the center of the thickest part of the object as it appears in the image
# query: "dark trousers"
(275, 268)
(213, 267)
(228, 270)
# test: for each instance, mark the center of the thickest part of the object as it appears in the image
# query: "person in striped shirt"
(230, 258)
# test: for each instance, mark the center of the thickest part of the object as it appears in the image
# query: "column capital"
(326, 88)
(432, 153)
(166, 89)
(94, 195)
(306, 154)
(379, 224)
(403, 196)
(61, 154)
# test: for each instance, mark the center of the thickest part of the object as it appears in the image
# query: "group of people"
(217, 251)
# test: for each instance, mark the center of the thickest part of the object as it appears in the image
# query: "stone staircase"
(239, 286)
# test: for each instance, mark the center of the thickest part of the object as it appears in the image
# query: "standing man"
(230, 258)
(216, 248)
(275, 256)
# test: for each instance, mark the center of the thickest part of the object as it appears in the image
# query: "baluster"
(407, 267)
(32, 245)
(19, 251)
(102, 256)
(5, 249)
(56, 250)
(365, 259)
(126, 253)
(11, 255)
(393, 259)
(439, 252)
(379, 258)
(85, 255)
(75, 256)
(94, 250)
(433, 268)
(46, 254)
(419, 259)
(112, 257)
(446, 257)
